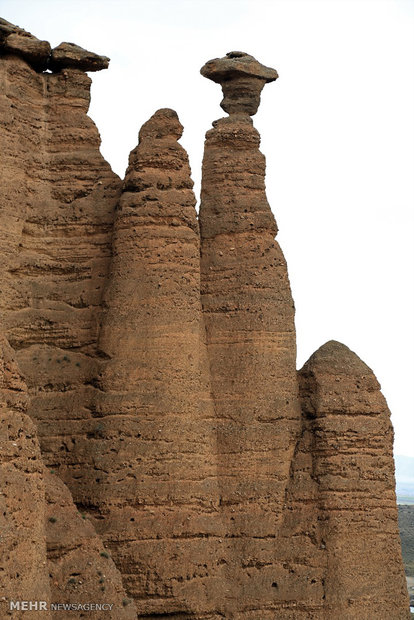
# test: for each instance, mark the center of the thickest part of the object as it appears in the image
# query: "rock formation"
(80, 568)
(56, 221)
(157, 492)
(348, 422)
(23, 572)
(160, 452)
(49, 552)
(249, 316)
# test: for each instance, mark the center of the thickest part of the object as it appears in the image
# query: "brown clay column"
(249, 316)
(154, 445)
(353, 469)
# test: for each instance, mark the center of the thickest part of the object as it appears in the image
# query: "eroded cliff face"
(57, 207)
(348, 421)
(160, 451)
(50, 553)
(156, 498)
(23, 574)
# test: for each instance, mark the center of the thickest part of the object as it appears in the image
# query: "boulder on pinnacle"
(242, 79)
(71, 56)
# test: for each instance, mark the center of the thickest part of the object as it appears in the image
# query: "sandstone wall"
(190, 468)
(56, 214)
(249, 316)
(352, 462)
(23, 566)
(80, 569)
(50, 552)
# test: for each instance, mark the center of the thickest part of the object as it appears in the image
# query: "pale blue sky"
(337, 131)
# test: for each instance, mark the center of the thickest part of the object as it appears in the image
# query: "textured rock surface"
(249, 317)
(23, 568)
(69, 55)
(163, 385)
(51, 554)
(242, 79)
(79, 567)
(352, 464)
(16, 41)
(157, 495)
(56, 220)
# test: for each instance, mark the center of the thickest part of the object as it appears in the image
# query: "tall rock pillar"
(352, 466)
(154, 479)
(249, 316)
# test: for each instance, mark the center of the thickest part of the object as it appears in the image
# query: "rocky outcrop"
(57, 208)
(69, 55)
(80, 568)
(351, 460)
(242, 79)
(23, 567)
(157, 493)
(249, 316)
(165, 457)
(17, 42)
(50, 553)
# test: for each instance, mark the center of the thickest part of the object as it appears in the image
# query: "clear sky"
(337, 130)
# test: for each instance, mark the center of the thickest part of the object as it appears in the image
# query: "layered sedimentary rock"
(80, 569)
(58, 198)
(23, 567)
(156, 497)
(50, 553)
(249, 316)
(204, 478)
(241, 78)
(349, 424)
(17, 42)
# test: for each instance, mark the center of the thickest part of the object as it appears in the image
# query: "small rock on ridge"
(69, 55)
(237, 64)
(39, 54)
(15, 40)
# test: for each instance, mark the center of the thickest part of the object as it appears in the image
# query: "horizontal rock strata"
(57, 210)
(249, 316)
(158, 450)
(157, 497)
(80, 568)
(50, 553)
(15, 41)
(23, 568)
(242, 79)
(352, 463)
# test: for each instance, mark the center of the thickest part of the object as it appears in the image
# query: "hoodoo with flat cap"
(242, 79)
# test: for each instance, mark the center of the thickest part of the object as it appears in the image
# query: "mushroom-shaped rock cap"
(242, 79)
(236, 64)
(71, 56)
